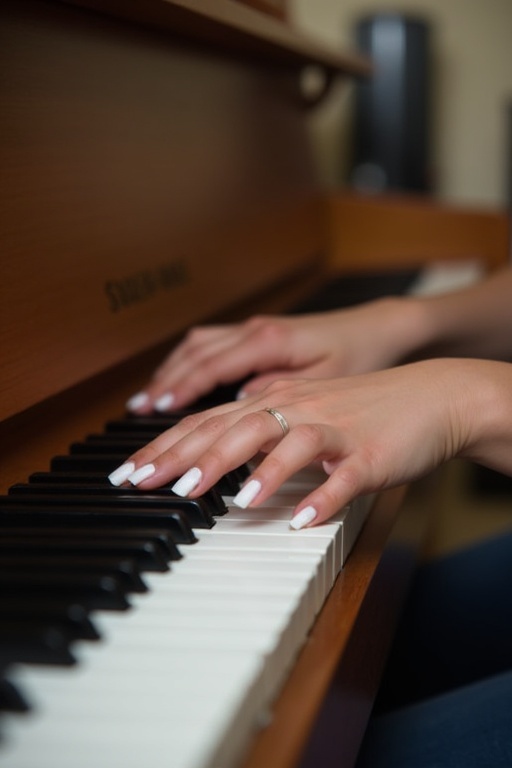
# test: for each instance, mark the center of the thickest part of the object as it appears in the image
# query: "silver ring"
(280, 420)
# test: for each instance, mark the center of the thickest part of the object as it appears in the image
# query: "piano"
(157, 173)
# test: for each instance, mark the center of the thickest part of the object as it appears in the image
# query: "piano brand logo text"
(144, 285)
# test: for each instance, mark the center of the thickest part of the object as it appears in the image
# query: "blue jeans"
(446, 698)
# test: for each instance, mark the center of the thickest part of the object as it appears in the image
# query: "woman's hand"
(371, 432)
(330, 344)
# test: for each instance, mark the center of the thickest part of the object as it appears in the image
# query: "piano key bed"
(141, 626)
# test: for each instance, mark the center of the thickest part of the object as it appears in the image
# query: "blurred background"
(461, 54)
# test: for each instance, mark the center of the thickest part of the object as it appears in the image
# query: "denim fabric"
(470, 727)
(446, 698)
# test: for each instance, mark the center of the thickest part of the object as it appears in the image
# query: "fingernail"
(305, 516)
(187, 482)
(247, 494)
(122, 473)
(164, 403)
(137, 401)
(142, 473)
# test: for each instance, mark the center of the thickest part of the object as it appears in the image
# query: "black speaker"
(392, 107)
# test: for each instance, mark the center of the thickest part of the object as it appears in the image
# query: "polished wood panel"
(137, 175)
(368, 232)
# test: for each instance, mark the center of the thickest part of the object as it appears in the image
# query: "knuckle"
(255, 422)
(194, 335)
(374, 458)
(349, 477)
(215, 459)
(326, 498)
(189, 423)
(213, 427)
(273, 466)
(270, 331)
(310, 433)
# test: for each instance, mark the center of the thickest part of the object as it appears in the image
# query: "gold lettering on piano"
(144, 285)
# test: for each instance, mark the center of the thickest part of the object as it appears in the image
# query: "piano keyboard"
(143, 627)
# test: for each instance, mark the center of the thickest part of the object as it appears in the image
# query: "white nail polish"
(187, 482)
(247, 494)
(142, 474)
(122, 473)
(305, 516)
(164, 403)
(137, 401)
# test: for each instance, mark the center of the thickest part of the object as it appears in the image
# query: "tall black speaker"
(392, 108)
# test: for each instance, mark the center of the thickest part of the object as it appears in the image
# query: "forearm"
(474, 322)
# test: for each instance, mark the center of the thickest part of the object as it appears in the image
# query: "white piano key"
(327, 535)
(216, 637)
(288, 499)
(273, 570)
(71, 726)
(264, 558)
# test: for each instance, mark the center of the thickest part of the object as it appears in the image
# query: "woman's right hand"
(262, 349)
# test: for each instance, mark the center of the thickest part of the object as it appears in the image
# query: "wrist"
(485, 411)
(409, 325)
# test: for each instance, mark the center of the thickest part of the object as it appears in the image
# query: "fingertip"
(303, 518)
(187, 482)
(122, 473)
(137, 401)
(142, 473)
(164, 402)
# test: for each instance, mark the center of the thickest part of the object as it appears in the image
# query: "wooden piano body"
(156, 173)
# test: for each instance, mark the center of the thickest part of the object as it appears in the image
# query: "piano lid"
(236, 28)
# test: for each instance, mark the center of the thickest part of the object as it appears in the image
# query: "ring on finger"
(278, 416)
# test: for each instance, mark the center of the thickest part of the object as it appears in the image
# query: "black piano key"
(93, 591)
(141, 425)
(203, 508)
(172, 520)
(69, 477)
(73, 616)
(228, 485)
(29, 641)
(161, 540)
(11, 700)
(87, 463)
(79, 480)
(124, 570)
(107, 447)
(197, 510)
(147, 556)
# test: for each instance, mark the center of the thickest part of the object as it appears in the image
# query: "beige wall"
(472, 70)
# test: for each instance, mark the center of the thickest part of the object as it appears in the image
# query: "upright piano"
(156, 173)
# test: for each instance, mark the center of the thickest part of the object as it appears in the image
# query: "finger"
(345, 483)
(252, 350)
(215, 447)
(142, 462)
(158, 394)
(302, 446)
(203, 342)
